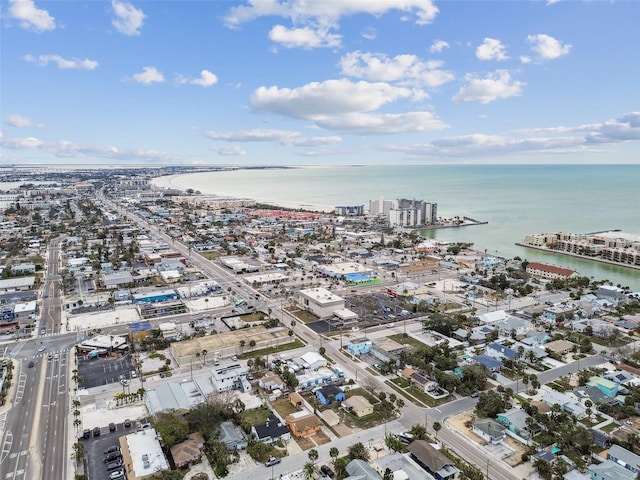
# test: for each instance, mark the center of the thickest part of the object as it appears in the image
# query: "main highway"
(34, 444)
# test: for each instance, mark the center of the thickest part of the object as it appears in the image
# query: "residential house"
(557, 313)
(511, 326)
(358, 405)
(559, 347)
(622, 377)
(496, 350)
(568, 403)
(610, 470)
(625, 458)
(296, 399)
(188, 452)
(271, 381)
(489, 430)
(271, 431)
(329, 393)
(492, 317)
(609, 388)
(516, 420)
(232, 436)
(359, 347)
(434, 462)
(303, 424)
(361, 470)
(494, 365)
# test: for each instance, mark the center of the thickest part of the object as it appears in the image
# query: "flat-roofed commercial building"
(320, 301)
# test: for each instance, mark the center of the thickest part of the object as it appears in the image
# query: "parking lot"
(102, 371)
(95, 447)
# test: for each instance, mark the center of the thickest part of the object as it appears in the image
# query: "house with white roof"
(492, 317)
(230, 377)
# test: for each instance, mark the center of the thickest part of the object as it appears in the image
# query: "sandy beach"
(232, 190)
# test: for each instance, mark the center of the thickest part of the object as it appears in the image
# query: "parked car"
(272, 461)
(475, 394)
(86, 433)
(31, 364)
(96, 431)
(112, 457)
(117, 475)
(111, 449)
(326, 470)
(112, 427)
(114, 465)
(127, 423)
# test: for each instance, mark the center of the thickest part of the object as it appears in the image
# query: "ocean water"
(514, 200)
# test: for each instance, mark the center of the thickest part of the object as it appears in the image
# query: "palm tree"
(242, 344)
(436, 428)
(333, 453)
(313, 455)
(204, 355)
(309, 468)
(197, 355)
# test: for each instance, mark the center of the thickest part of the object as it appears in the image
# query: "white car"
(355, 329)
(41, 349)
(391, 325)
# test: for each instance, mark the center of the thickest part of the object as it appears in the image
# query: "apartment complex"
(404, 212)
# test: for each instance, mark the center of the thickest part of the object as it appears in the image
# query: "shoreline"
(168, 182)
(575, 255)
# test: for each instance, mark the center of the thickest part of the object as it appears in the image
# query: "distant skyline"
(305, 82)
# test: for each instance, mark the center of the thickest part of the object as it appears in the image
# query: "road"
(34, 444)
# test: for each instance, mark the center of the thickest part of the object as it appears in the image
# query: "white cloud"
(547, 47)
(206, 79)
(328, 98)
(30, 16)
(491, 49)
(148, 76)
(369, 34)
(405, 69)
(623, 129)
(305, 37)
(382, 124)
(329, 11)
(19, 121)
(128, 19)
(67, 149)
(283, 137)
(525, 59)
(438, 45)
(231, 151)
(494, 86)
(63, 63)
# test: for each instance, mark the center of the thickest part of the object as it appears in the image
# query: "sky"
(314, 82)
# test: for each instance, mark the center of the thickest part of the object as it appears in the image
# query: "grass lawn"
(362, 392)
(252, 317)
(297, 343)
(364, 423)
(400, 338)
(401, 382)
(406, 395)
(283, 407)
(255, 416)
(609, 428)
(424, 398)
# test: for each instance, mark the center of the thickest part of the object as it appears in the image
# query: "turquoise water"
(515, 200)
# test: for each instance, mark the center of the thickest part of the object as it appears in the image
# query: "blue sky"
(305, 82)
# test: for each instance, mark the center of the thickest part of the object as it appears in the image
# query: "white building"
(142, 453)
(230, 377)
(320, 301)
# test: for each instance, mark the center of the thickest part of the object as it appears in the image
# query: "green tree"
(358, 451)
(436, 428)
(172, 428)
(313, 455)
(333, 453)
(418, 431)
